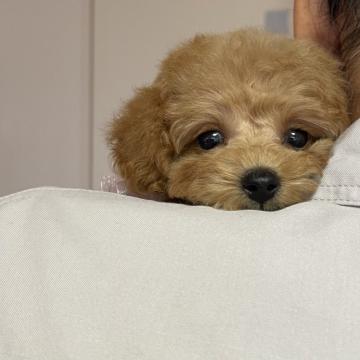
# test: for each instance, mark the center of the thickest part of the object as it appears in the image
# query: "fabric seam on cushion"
(29, 194)
(336, 199)
(340, 185)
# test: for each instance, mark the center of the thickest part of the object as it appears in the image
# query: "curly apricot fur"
(250, 85)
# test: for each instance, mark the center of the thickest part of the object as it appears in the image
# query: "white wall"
(44, 94)
(67, 65)
(132, 36)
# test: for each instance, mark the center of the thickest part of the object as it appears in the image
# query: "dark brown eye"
(296, 138)
(210, 139)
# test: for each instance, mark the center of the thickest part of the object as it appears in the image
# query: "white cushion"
(341, 181)
(91, 275)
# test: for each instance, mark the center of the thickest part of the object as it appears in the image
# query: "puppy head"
(243, 120)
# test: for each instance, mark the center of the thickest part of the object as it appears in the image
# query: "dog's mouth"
(181, 201)
(272, 207)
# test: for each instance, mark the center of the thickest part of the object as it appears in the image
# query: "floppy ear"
(139, 142)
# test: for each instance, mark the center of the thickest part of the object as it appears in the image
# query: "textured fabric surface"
(91, 275)
(341, 180)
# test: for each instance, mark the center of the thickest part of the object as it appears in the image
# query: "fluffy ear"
(138, 138)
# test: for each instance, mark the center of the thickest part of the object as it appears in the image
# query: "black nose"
(260, 184)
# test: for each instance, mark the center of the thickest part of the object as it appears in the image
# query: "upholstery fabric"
(93, 275)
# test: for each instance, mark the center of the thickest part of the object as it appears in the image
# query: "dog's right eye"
(210, 139)
(297, 138)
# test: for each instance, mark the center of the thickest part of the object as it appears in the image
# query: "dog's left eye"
(296, 138)
(210, 139)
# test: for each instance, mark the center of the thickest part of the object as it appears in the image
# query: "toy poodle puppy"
(241, 120)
